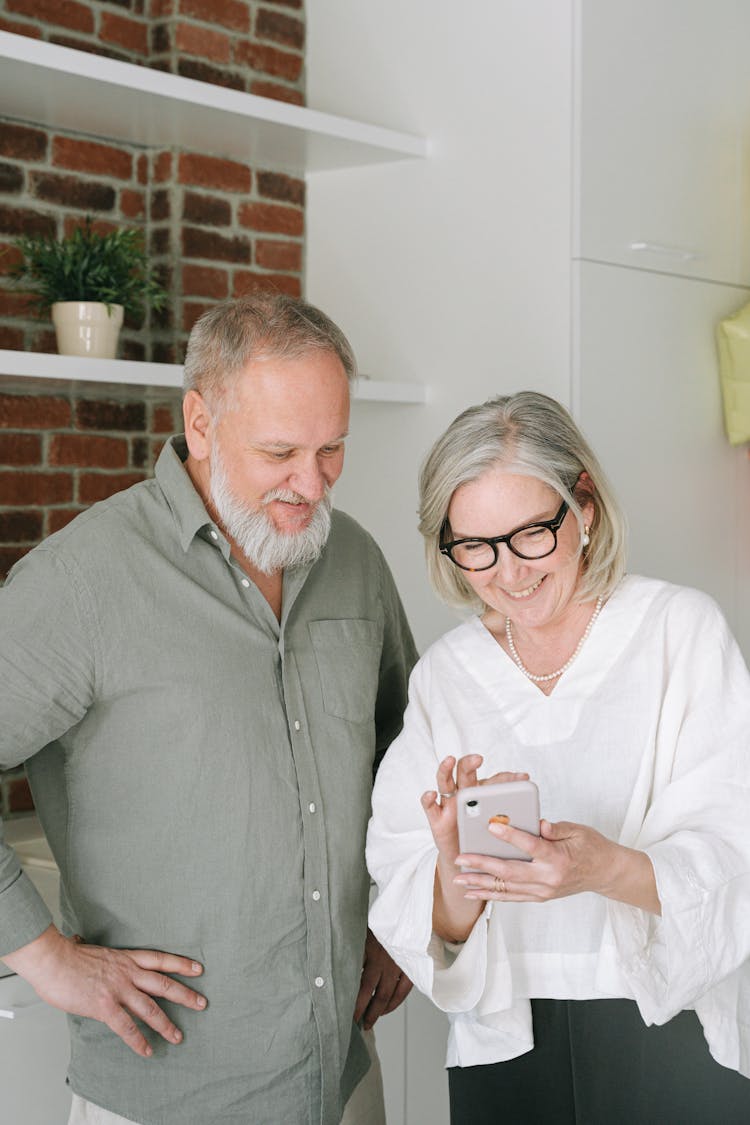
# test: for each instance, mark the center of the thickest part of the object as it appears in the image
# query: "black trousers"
(595, 1063)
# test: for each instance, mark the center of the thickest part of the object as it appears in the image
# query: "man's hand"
(383, 985)
(110, 985)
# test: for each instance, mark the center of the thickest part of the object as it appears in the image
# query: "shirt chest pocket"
(347, 653)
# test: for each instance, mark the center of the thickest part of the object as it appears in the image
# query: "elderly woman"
(605, 980)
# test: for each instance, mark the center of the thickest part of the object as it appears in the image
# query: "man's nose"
(309, 481)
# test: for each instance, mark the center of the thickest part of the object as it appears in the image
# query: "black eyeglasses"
(532, 541)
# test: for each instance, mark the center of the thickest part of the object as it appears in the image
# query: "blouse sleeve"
(401, 857)
(694, 828)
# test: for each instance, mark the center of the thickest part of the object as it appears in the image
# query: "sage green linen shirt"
(203, 774)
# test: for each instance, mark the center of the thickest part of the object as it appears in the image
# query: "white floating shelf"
(63, 88)
(21, 371)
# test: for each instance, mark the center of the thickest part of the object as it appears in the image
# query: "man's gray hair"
(532, 435)
(232, 334)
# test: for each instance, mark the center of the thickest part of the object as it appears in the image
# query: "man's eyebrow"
(293, 445)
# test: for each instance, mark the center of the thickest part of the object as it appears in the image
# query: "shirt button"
(296, 724)
(214, 534)
(316, 896)
(311, 806)
(245, 582)
(319, 982)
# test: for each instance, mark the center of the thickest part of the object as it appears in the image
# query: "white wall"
(453, 271)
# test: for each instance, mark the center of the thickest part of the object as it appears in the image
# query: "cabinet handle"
(680, 252)
(18, 1010)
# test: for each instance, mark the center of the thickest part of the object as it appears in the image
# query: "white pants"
(365, 1106)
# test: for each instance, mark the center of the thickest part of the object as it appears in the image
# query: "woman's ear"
(198, 425)
(585, 495)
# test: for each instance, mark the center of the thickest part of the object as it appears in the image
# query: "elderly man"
(200, 674)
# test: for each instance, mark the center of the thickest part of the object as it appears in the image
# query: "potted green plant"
(87, 281)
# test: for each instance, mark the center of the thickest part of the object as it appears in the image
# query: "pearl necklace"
(568, 662)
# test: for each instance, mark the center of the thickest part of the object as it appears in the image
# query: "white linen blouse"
(646, 737)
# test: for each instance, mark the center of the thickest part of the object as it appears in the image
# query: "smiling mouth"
(527, 592)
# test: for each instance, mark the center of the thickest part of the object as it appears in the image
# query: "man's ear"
(198, 425)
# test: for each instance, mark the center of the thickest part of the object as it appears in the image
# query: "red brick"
(233, 14)
(63, 13)
(162, 167)
(272, 255)
(158, 9)
(33, 412)
(11, 338)
(208, 244)
(10, 255)
(100, 414)
(271, 218)
(17, 220)
(58, 518)
(245, 281)
(203, 281)
(280, 28)
(287, 3)
(156, 448)
(20, 489)
(194, 40)
(15, 304)
(206, 210)
(190, 313)
(9, 556)
(11, 178)
(276, 185)
(69, 191)
(45, 340)
(142, 169)
(20, 449)
(162, 420)
(278, 93)
(101, 226)
(88, 450)
(98, 486)
(128, 33)
(269, 60)
(213, 172)
(91, 156)
(205, 72)
(22, 142)
(20, 527)
(19, 795)
(20, 29)
(132, 203)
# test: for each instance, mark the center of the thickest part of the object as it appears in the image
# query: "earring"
(586, 537)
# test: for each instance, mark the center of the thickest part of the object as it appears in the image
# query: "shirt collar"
(187, 507)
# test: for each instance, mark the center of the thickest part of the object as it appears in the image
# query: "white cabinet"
(648, 397)
(663, 113)
(34, 1054)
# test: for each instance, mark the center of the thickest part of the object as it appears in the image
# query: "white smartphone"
(509, 802)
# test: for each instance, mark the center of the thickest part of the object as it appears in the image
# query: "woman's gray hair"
(532, 435)
(232, 334)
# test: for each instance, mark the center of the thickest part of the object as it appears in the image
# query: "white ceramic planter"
(88, 328)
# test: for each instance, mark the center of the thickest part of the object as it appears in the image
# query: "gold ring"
(499, 885)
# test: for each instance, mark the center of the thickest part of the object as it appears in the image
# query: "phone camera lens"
(472, 804)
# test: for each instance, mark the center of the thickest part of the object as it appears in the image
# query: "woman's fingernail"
(197, 968)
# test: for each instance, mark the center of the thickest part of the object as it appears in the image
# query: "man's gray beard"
(263, 545)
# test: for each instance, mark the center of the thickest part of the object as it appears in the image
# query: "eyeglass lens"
(528, 542)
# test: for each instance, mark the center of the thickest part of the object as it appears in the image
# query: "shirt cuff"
(24, 915)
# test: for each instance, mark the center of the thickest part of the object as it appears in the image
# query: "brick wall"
(213, 227)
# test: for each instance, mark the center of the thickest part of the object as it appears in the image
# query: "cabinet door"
(34, 1056)
(662, 103)
(647, 395)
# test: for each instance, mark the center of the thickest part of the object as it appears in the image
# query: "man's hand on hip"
(110, 985)
(383, 986)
